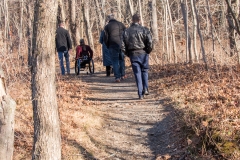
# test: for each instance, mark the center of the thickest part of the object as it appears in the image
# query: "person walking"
(137, 45)
(112, 38)
(106, 55)
(64, 47)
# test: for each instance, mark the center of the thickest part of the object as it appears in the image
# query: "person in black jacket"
(137, 44)
(112, 38)
(64, 47)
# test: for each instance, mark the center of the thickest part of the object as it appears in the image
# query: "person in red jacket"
(84, 51)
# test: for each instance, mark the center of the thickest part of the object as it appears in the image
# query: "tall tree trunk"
(194, 32)
(172, 32)
(154, 22)
(130, 3)
(29, 31)
(61, 11)
(200, 36)
(47, 138)
(73, 21)
(7, 111)
(140, 11)
(188, 37)
(87, 24)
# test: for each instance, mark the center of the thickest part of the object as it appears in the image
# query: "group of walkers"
(117, 42)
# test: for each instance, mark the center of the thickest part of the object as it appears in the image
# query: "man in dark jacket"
(112, 38)
(137, 44)
(64, 46)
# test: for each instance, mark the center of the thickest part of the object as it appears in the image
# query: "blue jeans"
(118, 62)
(60, 57)
(140, 66)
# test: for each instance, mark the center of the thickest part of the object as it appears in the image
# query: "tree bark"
(7, 111)
(194, 32)
(200, 36)
(188, 38)
(47, 138)
(154, 22)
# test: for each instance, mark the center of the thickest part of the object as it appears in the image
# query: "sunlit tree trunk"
(73, 21)
(188, 38)
(88, 27)
(154, 22)
(29, 31)
(7, 111)
(194, 33)
(130, 3)
(47, 138)
(200, 36)
(172, 32)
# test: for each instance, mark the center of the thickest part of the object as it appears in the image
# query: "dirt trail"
(133, 129)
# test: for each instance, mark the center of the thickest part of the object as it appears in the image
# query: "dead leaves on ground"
(209, 99)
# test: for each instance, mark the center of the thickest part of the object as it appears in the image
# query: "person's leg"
(137, 73)
(108, 70)
(122, 65)
(60, 57)
(145, 68)
(66, 55)
(115, 62)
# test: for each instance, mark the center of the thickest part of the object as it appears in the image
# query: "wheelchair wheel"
(91, 66)
(77, 67)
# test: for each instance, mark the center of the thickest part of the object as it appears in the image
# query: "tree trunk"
(154, 23)
(73, 21)
(188, 38)
(47, 138)
(194, 33)
(200, 36)
(172, 32)
(130, 3)
(29, 32)
(140, 11)
(87, 24)
(7, 111)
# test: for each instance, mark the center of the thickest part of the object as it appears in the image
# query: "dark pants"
(108, 70)
(118, 62)
(140, 66)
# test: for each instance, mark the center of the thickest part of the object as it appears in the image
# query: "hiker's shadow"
(164, 138)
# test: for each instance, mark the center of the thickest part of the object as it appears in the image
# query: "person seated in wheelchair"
(84, 52)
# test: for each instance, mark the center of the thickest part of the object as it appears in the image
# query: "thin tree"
(47, 138)
(7, 111)
(154, 22)
(200, 36)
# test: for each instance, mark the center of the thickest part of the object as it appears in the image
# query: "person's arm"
(90, 52)
(78, 51)
(148, 42)
(69, 42)
(106, 36)
(101, 37)
(124, 43)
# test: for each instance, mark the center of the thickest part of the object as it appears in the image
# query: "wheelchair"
(83, 63)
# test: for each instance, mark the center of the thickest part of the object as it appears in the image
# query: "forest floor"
(104, 120)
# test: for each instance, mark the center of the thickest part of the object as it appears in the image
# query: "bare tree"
(7, 111)
(188, 37)
(47, 138)
(154, 22)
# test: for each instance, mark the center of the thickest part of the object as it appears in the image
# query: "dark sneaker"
(123, 77)
(145, 92)
(140, 97)
(117, 80)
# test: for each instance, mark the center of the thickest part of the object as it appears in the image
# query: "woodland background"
(195, 59)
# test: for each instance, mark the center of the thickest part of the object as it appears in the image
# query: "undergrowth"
(210, 103)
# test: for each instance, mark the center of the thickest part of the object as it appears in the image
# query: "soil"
(132, 129)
